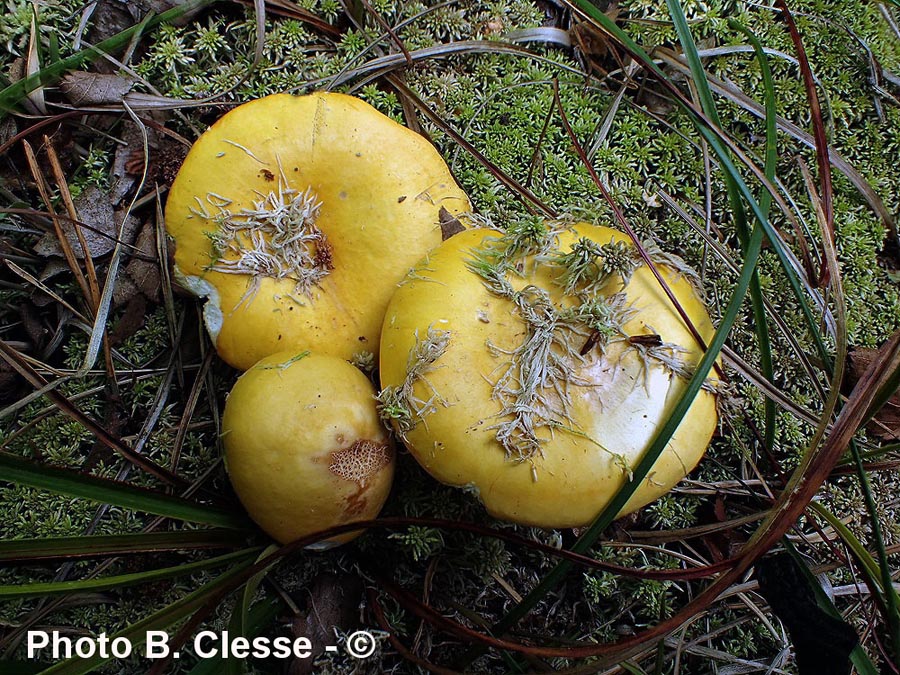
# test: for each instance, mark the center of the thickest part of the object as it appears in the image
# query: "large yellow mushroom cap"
(296, 216)
(498, 379)
(304, 447)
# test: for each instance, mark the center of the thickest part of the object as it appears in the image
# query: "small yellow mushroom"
(304, 447)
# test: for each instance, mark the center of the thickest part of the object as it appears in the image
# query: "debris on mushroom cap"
(544, 407)
(296, 216)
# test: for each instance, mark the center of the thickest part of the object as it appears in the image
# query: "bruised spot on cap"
(360, 461)
(355, 504)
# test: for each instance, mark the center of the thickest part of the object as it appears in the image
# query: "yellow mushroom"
(534, 368)
(304, 447)
(296, 216)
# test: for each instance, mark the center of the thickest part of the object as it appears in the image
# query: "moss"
(421, 542)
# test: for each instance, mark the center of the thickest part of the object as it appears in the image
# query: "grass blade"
(259, 618)
(24, 368)
(240, 623)
(52, 548)
(815, 112)
(765, 203)
(75, 484)
(107, 583)
(708, 104)
(721, 145)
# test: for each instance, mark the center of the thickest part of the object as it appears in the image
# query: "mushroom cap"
(455, 344)
(304, 447)
(296, 216)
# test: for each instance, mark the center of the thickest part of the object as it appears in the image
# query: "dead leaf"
(822, 643)
(886, 423)
(18, 71)
(594, 47)
(141, 276)
(84, 89)
(53, 267)
(33, 66)
(122, 175)
(333, 603)
(108, 18)
(141, 8)
(8, 129)
(101, 227)
(131, 320)
(9, 383)
(450, 224)
(168, 160)
(36, 331)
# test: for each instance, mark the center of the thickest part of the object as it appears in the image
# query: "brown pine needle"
(44, 190)
(63, 185)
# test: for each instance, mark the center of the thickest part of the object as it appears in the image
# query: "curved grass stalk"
(740, 217)
(757, 545)
(84, 486)
(119, 581)
(723, 147)
(67, 548)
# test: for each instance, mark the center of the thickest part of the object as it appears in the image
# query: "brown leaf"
(886, 423)
(18, 70)
(9, 383)
(594, 47)
(450, 224)
(33, 67)
(168, 160)
(107, 19)
(101, 227)
(53, 267)
(132, 318)
(141, 276)
(333, 603)
(8, 129)
(84, 89)
(35, 329)
(719, 509)
(128, 163)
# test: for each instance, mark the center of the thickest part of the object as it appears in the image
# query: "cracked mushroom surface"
(304, 447)
(296, 216)
(534, 368)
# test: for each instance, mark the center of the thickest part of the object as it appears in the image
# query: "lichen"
(399, 405)
(277, 238)
(532, 387)
(284, 365)
(365, 361)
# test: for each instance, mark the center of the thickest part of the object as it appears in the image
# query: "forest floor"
(705, 121)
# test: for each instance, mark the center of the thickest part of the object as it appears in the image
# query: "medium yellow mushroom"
(535, 367)
(296, 216)
(304, 447)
